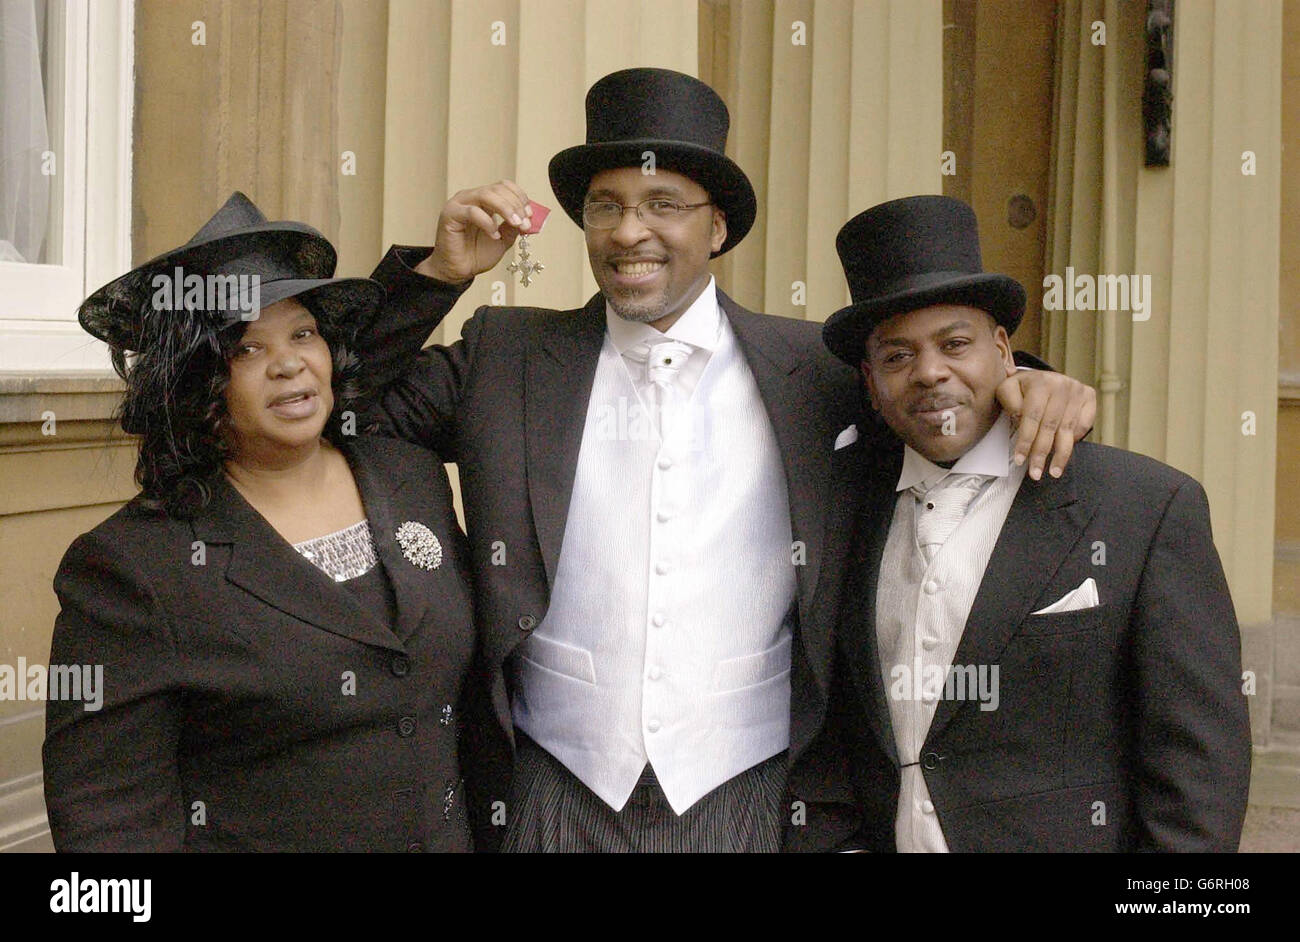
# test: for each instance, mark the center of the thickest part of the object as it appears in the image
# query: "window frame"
(91, 194)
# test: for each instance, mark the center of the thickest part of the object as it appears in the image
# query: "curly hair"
(175, 401)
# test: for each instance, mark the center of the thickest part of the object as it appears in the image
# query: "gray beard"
(637, 315)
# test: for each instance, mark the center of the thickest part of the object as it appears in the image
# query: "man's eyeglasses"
(606, 214)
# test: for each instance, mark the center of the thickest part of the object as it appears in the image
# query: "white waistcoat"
(668, 634)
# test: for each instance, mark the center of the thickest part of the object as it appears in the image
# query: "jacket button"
(415, 848)
(401, 665)
(406, 726)
(930, 761)
(527, 622)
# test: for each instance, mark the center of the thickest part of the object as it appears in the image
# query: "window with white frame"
(65, 174)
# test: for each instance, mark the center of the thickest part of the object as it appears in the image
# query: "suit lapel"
(384, 500)
(806, 450)
(875, 515)
(262, 563)
(561, 368)
(1043, 525)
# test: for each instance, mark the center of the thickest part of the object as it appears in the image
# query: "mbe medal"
(524, 264)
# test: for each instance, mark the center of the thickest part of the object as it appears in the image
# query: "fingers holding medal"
(477, 226)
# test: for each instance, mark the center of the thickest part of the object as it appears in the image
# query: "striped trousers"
(552, 811)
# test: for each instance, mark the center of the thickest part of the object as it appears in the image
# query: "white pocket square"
(846, 437)
(1083, 597)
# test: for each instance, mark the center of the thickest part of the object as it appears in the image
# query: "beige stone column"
(359, 162)
(827, 120)
(1221, 334)
(417, 75)
(251, 107)
(1194, 385)
(1096, 165)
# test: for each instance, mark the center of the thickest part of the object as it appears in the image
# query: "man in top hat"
(1023, 666)
(645, 480)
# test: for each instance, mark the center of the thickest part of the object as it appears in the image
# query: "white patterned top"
(343, 554)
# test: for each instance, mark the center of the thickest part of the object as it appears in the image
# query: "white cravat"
(660, 364)
(941, 506)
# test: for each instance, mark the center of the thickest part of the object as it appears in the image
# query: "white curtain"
(24, 138)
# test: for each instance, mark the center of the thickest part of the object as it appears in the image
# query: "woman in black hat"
(273, 637)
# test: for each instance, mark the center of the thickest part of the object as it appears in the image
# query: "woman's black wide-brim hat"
(289, 259)
(908, 254)
(678, 119)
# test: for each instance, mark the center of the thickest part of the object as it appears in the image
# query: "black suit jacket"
(508, 402)
(1121, 727)
(224, 681)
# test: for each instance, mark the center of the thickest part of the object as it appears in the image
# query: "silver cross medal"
(523, 263)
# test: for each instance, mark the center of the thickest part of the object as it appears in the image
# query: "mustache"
(934, 403)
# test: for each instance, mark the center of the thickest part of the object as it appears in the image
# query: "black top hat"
(288, 258)
(678, 118)
(908, 254)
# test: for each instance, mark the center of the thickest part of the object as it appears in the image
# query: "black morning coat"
(508, 403)
(1121, 727)
(250, 703)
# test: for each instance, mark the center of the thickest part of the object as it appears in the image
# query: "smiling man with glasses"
(653, 262)
(647, 484)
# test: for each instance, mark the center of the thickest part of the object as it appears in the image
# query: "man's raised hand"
(475, 228)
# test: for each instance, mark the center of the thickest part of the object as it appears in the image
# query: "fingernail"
(1035, 472)
(1056, 472)
(1020, 459)
(514, 219)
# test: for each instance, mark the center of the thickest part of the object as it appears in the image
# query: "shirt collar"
(991, 456)
(698, 326)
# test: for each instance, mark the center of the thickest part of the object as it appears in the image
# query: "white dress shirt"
(667, 639)
(921, 608)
